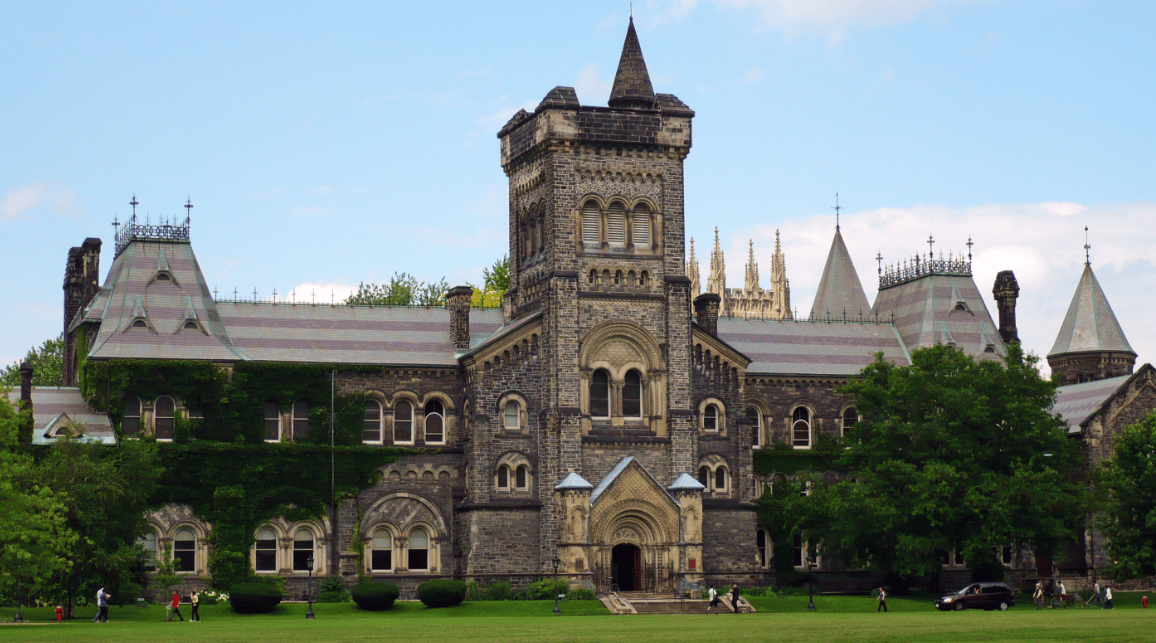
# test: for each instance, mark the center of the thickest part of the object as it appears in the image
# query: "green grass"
(838, 619)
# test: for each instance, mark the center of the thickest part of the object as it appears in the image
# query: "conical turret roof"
(839, 288)
(1090, 325)
(632, 88)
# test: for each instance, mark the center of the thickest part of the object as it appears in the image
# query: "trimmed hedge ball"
(442, 593)
(374, 596)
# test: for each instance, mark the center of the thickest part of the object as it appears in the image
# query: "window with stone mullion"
(632, 395)
(641, 231)
(616, 226)
(591, 224)
(600, 394)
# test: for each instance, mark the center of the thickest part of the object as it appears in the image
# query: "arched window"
(532, 237)
(643, 278)
(418, 549)
(265, 558)
(301, 427)
(591, 226)
(616, 225)
(593, 278)
(164, 422)
(541, 232)
(641, 226)
(130, 420)
(720, 479)
(512, 416)
(272, 422)
(148, 543)
(618, 278)
(710, 418)
(632, 395)
(503, 477)
(371, 424)
(381, 556)
(185, 551)
(850, 418)
(756, 421)
(762, 547)
(520, 477)
(704, 476)
(600, 394)
(801, 426)
(403, 422)
(303, 558)
(435, 422)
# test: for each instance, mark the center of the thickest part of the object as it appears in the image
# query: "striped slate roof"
(941, 309)
(1075, 402)
(792, 347)
(840, 290)
(231, 331)
(1090, 325)
(53, 406)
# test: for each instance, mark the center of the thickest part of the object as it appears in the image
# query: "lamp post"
(309, 588)
(556, 562)
(810, 585)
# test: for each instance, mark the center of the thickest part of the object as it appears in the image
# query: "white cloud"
(591, 88)
(56, 197)
(1043, 244)
(319, 293)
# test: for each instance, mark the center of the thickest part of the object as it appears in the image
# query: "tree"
(952, 454)
(496, 281)
(1129, 519)
(401, 290)
(34, 536)
(47, 364)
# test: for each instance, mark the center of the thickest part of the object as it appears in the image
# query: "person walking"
(99, 593)
(1038, 595)
(195, 616)
(1095, 595)
(102, 609)
(714, 599)
(1107, 598)
(1063, 594)
(735, 598)
(175, 607)
(882, 598)
(60, 612)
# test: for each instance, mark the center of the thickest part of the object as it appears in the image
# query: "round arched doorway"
(626, 567)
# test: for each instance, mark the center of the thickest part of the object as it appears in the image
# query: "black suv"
(988, 596)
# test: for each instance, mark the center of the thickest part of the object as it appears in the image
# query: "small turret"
(1006, 291)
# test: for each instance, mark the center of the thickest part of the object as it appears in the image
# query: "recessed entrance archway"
(626, 567)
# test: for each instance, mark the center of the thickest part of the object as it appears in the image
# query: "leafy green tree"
(496, 281)
(34, 536)
(47, 363)
(952, 453)
(402, 289)
(1129, 518)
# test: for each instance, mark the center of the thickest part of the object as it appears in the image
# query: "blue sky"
(325, 144)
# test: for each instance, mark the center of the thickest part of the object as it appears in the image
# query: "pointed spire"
(751, 283)
(692, 268)
(1090, 325)
(839, 288)
(717, 282)
(780, 285)
(632, 88)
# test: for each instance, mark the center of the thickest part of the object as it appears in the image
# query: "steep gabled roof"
(1090, 325)
(840, 290)
(941, 308)
(632, 88)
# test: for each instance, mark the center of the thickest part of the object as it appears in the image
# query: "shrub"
(442, 593)
(338, 596)
(374, 596)
(277, 582)
(543, 589)
(254, 598)
(212, 597)
(498, 591)
(331, 584)
(581, 594)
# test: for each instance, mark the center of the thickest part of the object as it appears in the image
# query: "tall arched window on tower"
(164, 420)
(541, 239)
(641, 223)
(591, 224)
(801, 427)
(616, 225)
(600, 394)
(403, 422)
(632, 395)
(435, 422)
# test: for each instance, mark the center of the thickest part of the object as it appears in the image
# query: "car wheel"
(1003, 606)
(959, 607)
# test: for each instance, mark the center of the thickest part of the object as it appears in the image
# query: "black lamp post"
(19, 618)
(309, 588)
(556, 562)
(810, 585)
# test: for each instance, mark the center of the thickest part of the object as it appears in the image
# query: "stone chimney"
(458, 303)
(1006, 290)
(706, 308)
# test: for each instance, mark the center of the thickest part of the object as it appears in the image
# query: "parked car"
(988, 596)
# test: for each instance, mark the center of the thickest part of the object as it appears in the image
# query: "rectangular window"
(382, 560)
(300, 420)
(616, 226)
(266, 555)
(272, 422)
(642, 227)
(372, 422)
(590, 225)
(302, 552)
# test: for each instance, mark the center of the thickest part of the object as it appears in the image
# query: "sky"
(327, 144)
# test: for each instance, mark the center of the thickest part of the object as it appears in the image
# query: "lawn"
(838, 619)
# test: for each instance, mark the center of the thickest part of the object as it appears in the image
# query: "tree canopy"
(951, 454)
(47, 363)
(402, 289)
(1129, 518)
(496, 281)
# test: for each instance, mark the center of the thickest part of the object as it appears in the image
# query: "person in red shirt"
(59, 613)
(175, 607)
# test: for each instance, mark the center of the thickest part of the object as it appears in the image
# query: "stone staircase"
(640, 603)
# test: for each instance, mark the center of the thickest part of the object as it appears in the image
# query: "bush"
(212, 597)
(331, 584)
(374, 596)
(339, 596)
(581, 594)
(442, 593)
(254, 598)
(543, 589)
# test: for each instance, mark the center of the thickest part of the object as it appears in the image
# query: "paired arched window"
(265, 550)
(272, 422)
(381, 551)
(600, 394)
(185, 551)
(371, 424)
(164, 417)
(130, 419)
(418, 549)
(713, 475)
(435, 422)
(403, 422)
(301, 427)
(616, 225)
(632, 395)
(755, 419)
(512, 477)
(801, 427)
(720, 478)
(303, 558)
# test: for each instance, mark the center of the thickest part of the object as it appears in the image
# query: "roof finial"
(1087, 249)
(879, 258)
(837, 211)
(969, 245)
(133, 203)
(188, 210)
(930, 247)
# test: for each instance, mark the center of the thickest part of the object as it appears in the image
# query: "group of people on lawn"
(173, 607)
